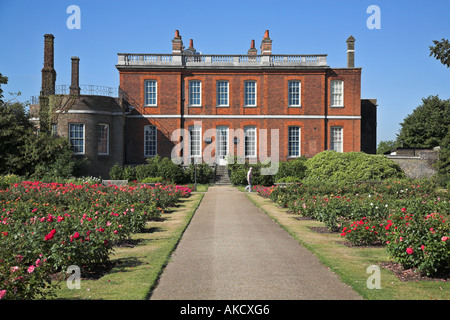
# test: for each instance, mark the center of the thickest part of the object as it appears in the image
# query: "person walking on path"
(249, 179)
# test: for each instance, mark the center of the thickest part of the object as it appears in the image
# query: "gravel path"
(231, 250)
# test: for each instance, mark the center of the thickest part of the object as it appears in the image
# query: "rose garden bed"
(47, 227)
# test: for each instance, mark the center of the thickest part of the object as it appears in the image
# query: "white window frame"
(101, 140)
(151, 98)
(294, 141)
(291, 100)
(250, 132)
(77, 138)
(337, 139)
(222, 93)
(148, 143)
(195, 88)
(337, 93)
(54, 130)
(195, 141)
(250, 93)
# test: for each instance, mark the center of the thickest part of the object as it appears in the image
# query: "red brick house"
(235, 98)
(187, 105)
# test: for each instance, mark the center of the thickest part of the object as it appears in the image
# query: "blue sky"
(396, 67)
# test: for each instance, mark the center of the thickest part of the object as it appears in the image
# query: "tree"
(14, 129)
(443, 164)
(386, 146)
(26, 152)
(427, 126)
(441, 51)
(3, 80)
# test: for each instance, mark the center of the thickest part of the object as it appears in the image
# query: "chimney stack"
(266, 44)
(75, 83)
(48, 71)
(252, 51)
(177, 43)
(350, 52)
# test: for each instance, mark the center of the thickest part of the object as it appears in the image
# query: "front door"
(221, 144)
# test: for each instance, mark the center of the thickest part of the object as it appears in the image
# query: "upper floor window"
(337, 93)
(250, 93)
(294, 141)
(222, 93)
(151, 92)
(250, 141)
(76, 137)
(294, 93)
(150, 141)
(195, 93)
(103, 139)
(336, 139)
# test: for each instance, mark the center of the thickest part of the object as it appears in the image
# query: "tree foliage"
(427, 126)
(386, 146)
(26, 152)
(441, 51)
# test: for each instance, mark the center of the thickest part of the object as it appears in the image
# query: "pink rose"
(409, 250)
(2, 294)
(444, 238)
(31, 269)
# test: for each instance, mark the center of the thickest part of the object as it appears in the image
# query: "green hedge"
(351, 166)
(163, 167)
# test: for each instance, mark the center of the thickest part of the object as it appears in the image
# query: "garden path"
(231, 250)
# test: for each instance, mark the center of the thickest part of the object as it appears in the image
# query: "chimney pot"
(252, 51)
(177, 43)
(266, 44)
(191, 43)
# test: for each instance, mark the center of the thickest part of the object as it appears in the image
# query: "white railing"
(127, 59)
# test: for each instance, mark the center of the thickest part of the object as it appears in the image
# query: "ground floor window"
(76, 137)
(294, 142)
(150, 141)
(336, 140)
(195, 133)
(250, 141)
(103, 139)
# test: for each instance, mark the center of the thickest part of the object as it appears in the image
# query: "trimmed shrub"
(351, 166)
(205, 173)
(294, 169)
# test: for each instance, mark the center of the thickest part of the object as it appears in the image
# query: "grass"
(136, 269)
(351, 263)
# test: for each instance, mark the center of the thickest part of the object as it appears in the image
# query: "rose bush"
(396, 213)
(69, 224)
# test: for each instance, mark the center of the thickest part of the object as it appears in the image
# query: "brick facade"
(315, 116)
(276, 128)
